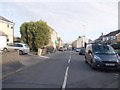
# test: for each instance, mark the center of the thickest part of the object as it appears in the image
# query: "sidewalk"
(24, 62)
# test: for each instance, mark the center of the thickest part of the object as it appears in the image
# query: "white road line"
(69, 61)
(65, 78)
(70, 56)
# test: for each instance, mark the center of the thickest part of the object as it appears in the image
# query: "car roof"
(98, 44)
(21, 43)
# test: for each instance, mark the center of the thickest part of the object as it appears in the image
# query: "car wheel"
(5, 50)
(21, 52)
(92, 65)
(86, 60)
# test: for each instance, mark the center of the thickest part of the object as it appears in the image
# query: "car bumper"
(107, 65)
(26, 51)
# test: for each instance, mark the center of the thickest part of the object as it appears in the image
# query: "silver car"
(23, 48)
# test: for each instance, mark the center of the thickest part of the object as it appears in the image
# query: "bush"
(50, 49)
(116, 46)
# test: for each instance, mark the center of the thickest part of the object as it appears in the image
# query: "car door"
(86, 52)
(20, 46)
(89, 53)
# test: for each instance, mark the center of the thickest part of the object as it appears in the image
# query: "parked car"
(82, 51)
(103, 56)
(65, 49)
(61, 49)
(77, 49)
(23, 48)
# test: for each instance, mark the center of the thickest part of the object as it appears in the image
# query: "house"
(53, 38)
(74, 44)
(59, 42)
(118, 37)
(16, 39)
(7, 27)
(112, 37)
(80, 42)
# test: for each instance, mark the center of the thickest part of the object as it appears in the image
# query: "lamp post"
(83, 26)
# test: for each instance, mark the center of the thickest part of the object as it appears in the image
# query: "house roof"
(2, 33)
(113, 33)
(4, 19)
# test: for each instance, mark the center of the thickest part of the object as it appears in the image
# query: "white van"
(3, 43)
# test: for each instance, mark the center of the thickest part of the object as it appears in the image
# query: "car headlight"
(118, 61)
(96, 57)
(118, 57)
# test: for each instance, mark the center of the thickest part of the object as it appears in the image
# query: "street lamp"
(83, 26)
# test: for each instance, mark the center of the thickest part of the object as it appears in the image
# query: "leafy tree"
(35, 34)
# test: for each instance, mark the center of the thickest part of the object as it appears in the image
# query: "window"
(18, 45)
(11, 27)
(103, 49)
(8, 25)
(7, 40)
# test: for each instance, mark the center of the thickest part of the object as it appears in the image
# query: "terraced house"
(53, 38)
(7, 27)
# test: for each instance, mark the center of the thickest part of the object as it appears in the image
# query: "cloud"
(59, 0)
(68, 18)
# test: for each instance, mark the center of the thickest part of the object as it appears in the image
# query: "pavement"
(24, 62)
(63, 70)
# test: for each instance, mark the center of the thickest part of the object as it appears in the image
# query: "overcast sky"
(70, 19)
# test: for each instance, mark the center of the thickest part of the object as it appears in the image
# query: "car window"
(103, 49)
(26, 46)
(18, 45)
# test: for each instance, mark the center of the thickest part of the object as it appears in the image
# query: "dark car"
(82, 51)
(103, 56)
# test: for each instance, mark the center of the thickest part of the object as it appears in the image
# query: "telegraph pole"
(83, 26)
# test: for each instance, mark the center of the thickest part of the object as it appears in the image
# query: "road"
(64, 70)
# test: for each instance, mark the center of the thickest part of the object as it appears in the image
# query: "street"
(65, 70)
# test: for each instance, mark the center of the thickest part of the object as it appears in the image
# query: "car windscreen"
(105, 49)
(26, 46)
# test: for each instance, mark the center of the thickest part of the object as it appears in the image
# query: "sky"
(69, 18)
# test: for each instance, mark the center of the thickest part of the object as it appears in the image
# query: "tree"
(23, 31)
(35, 34)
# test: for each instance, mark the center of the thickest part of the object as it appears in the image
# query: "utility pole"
(83, 26)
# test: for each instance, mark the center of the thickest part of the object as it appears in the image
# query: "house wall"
(53, 38)
(8, 29)
(118, 38)
(59, 43)
(81, 41)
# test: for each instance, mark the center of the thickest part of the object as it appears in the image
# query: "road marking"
(65, 78)
(70, 56)
(69, 61)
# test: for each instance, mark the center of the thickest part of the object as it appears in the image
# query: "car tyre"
(20, 52)
(86, 60)
(92, 65)
(5, 50)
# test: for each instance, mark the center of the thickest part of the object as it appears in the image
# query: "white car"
(77, 49)
(23, 48)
